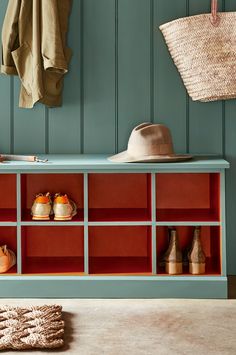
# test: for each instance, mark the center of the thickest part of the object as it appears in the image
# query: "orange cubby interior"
(7, 197)
(52, 250)
(188, 197)
(210, 239)
(119, 197)
(71, 184)
(8, 237)
(120, 250)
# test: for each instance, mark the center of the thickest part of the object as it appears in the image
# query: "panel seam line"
(81, 76)
(12, 128)
(116, 78)
(223, 112)
(46, 130)
(152, 61)
(187, 102)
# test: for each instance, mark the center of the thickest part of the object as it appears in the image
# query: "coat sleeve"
(56, 55)
(10, 37)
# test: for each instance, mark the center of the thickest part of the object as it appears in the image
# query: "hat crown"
(150, 139)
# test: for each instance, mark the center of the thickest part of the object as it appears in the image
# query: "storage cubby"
(8, 237)
(119, 197)
(8, 197)
(120, 250)
(52, 250)
(210, 239)
(114, 246)
(71, 184)
(188, 197)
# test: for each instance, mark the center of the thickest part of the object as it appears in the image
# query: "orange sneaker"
(64, 209)
(42, 207)
(7, 259)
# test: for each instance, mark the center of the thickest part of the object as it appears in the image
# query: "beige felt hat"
(149, 143)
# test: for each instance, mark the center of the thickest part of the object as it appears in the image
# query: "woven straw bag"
(203, 48)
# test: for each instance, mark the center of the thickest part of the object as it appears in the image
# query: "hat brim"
(125, 157)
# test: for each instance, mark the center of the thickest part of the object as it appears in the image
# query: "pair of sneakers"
(62, 207)
(7, 259)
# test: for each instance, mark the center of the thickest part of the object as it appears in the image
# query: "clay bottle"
(197, 258)
(173, 255)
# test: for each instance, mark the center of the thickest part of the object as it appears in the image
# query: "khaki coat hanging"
(34, 48)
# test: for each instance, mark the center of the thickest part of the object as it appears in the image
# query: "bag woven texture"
(31, 327)
(205, 54)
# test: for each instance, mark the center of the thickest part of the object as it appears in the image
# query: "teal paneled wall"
(121, 74)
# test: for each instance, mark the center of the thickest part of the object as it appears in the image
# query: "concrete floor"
(145, 327)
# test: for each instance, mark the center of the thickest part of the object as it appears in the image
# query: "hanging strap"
(215, 20)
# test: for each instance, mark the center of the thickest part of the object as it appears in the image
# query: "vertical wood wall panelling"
(5, 100)
(99, 76)
(65, 122)
(230, 151)
(205, 119)
(121, 72)
(29, 126)
(170, 100)
(134, 21)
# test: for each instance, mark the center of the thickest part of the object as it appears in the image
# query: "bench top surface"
(90, 162)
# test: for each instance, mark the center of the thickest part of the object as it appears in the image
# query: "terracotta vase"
(197, 257)
(173, 255)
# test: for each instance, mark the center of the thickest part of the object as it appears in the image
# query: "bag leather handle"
(215, 20)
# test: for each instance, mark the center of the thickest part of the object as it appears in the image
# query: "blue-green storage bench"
(114, 246)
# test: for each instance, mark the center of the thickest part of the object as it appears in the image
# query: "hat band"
(150, 149)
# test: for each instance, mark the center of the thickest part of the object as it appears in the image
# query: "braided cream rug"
(31, 327)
